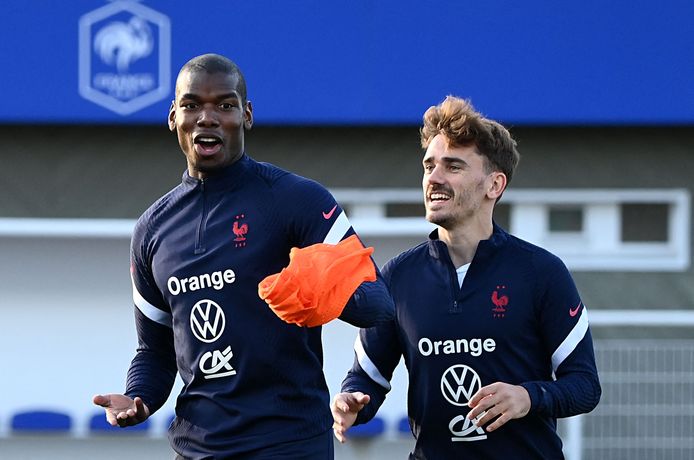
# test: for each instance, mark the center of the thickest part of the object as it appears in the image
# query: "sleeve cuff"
(537, 396)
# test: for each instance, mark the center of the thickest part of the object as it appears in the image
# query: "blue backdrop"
(354, 62)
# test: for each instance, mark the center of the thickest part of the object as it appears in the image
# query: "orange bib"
(318, 282)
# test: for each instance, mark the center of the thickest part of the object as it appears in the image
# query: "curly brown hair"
(463, 126)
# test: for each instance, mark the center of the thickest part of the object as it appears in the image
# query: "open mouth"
(439, 197)
(207, 144)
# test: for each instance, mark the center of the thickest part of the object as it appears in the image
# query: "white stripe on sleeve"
(368, 365)
(338, 230)
(149, 310)
(571, 341)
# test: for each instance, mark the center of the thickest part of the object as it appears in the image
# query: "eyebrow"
(448, 160)
(221, 97)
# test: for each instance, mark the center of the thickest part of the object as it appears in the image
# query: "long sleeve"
(576, 389)
(376, 355)
(313, 217)
(370, 305)
(566, 332)
(377, 352)
(153, 369)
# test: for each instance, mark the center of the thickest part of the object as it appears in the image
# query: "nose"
(435, 176)
(207, 118)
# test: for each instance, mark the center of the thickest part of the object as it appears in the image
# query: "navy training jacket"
(518, 318)
(197, 256)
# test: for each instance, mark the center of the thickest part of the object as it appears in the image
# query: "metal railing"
(647, 407)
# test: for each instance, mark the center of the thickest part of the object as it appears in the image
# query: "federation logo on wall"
(124, 56)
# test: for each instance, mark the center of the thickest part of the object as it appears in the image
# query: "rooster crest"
(121, 43)
(240, 231)
(499, 302)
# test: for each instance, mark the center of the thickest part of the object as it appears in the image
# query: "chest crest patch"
(240, 229)
(499, 302)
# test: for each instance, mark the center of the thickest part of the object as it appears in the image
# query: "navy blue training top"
(197, 256)
(518, 318)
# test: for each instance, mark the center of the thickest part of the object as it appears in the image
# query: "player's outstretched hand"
(345, 407)
(122, 410)
(500, 401)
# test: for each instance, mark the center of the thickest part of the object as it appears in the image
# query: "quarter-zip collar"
(226, 178)
(485, 248)
(485, 251)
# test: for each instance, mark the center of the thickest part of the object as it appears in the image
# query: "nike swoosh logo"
(574, 311)
(329, 214)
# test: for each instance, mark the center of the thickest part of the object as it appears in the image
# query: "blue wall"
(365, 61)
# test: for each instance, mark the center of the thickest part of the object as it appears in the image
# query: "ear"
(172, 116)
(248, 116)
(497, 185)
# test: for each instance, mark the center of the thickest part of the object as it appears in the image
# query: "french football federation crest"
(499, 301)
(240, 230)
(124, 56)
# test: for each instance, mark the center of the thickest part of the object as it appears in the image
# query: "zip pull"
(200, 238)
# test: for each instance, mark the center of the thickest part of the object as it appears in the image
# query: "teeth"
(207, 139)
(439, 196)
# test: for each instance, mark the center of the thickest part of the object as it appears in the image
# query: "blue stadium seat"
(404, 426)
(99, 425)
(41, 421)
(374, 427)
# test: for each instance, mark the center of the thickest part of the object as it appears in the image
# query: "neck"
(203, 173)
(463, 239)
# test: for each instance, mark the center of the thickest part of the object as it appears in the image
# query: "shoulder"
(536, 265)
(292, 192)
(538, 256)
(268, 173)
(286, 182)
(399, 264)
(156, 213)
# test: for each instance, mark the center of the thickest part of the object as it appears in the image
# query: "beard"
(462, 207)
(446, 221)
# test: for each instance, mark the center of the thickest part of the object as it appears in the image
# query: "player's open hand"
(122, 410)
(500, 401)
(345, 407)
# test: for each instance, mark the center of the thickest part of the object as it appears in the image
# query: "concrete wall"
(106, 171)
(67, 331)
(66, 325)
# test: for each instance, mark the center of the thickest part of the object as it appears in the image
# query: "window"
(565, 219)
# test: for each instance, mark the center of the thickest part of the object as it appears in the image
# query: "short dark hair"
(216, 63)
(462, 125)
